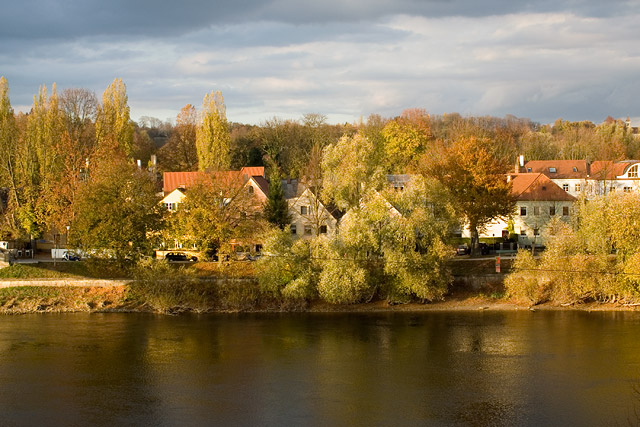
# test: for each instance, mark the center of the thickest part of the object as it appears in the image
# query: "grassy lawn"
(62, 270)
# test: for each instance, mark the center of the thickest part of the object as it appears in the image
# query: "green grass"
(32, 271)
(92, 269)
(29, 292)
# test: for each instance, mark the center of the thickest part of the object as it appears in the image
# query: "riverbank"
(233, 296)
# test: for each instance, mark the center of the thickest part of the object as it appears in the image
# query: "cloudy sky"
(346, 59)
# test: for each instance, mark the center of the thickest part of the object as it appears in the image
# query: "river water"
(433, 368)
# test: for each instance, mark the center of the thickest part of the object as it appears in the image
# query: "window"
(529, 170)
(627, 189)
(303, 210)
(552, 170)
(536, 231)
(523, 211)
(323, 229)
(633, 172)
(294, 229)
(565, 187)
(612, 189)
(307, 230)
(575, 169)
(565, 211)
(578, 188)
(250, 189)
(170, 206)
(523, 232)
(536, 210)
(552, 210)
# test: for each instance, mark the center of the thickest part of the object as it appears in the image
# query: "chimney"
(521, 160)
(154, 160)
(139, 164)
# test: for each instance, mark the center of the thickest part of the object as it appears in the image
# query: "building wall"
(308, 216)
(531, 226)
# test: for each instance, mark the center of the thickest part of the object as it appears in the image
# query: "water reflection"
(486, 368)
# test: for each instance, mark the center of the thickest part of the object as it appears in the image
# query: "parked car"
(463, 250)
(70, 256)
(179, 256)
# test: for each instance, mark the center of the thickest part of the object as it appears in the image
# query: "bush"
(524, 284)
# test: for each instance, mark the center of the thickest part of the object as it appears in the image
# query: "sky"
(345, 59)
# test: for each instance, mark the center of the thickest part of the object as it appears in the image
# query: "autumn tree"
(39, 163)
(114, 128)
(212, 134)
(405, 138)
(216, 212)
(476, 181)
(80, 107)
(179, 153)
(118, 212)
(8, 154)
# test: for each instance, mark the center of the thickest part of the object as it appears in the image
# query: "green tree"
(213, 143)
(276, 209)
(114, 128)
(351, 168)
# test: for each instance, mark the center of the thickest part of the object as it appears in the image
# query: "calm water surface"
(484, 368)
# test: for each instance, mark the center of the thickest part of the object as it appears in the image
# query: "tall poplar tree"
(8, 147)
(40, 162)
(213, 141)
(113, 123)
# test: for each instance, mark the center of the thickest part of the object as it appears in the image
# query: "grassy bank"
(230, 287)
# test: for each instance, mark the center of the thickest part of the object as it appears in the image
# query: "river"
(428, 368)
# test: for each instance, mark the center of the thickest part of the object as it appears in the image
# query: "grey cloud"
(77, 18)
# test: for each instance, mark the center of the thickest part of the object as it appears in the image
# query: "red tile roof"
(537, 187)
(173, 180)
(607, 169)
(564, 169)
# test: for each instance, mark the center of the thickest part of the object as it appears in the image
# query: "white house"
(538, 200)
(309, 216)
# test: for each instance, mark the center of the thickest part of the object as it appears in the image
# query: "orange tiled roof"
(173, 180)
(537, 187)
(564, 169)
(607, 169)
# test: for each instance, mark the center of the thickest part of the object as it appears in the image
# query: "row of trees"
(69, 164)
(595, 258)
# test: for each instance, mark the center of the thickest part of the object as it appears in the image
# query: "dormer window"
(633, 171)
(552, 170)
(575, 169)
(529, 170)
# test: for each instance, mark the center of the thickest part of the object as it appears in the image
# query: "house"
(610, 176)
(176, 184)
(572, 176)
(309, 216)
(580, 178)
(538, 200)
